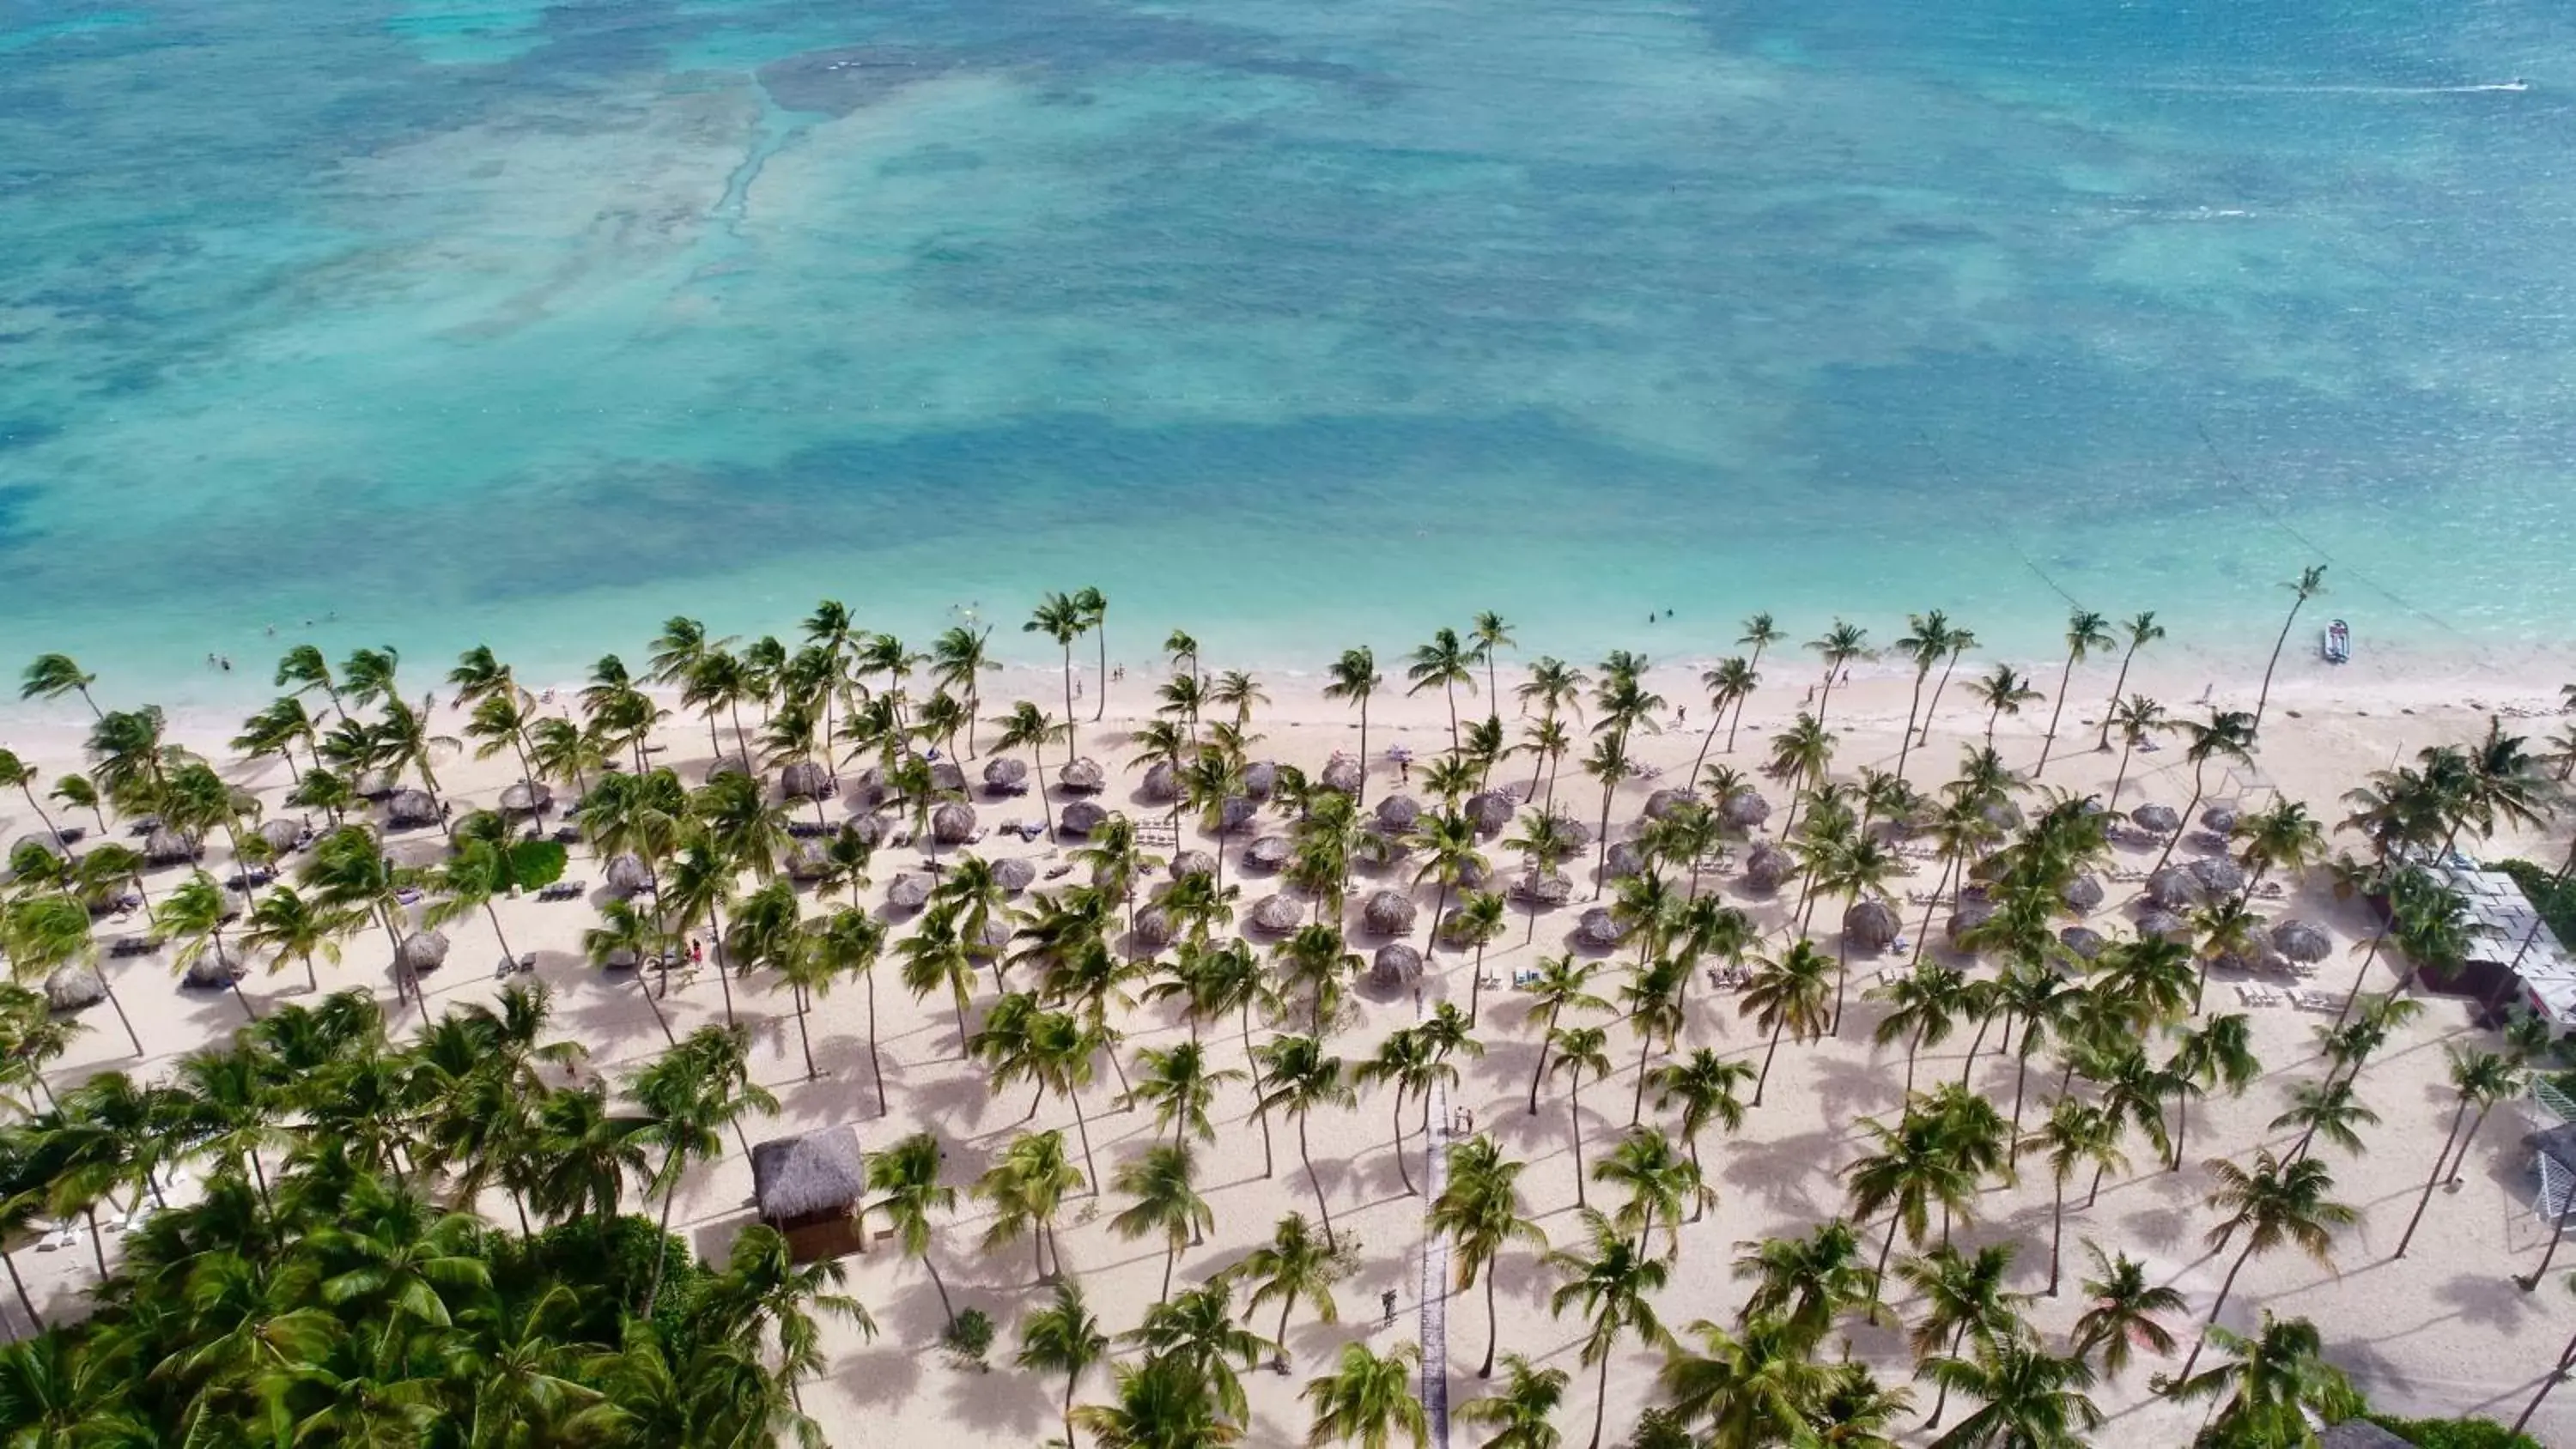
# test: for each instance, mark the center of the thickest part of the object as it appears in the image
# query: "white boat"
(2337, 645)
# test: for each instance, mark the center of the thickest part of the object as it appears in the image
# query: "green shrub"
(970, 1337)
(2454, 1433)
(2554, 899)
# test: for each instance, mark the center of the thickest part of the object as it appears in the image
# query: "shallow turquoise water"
(1300, 324)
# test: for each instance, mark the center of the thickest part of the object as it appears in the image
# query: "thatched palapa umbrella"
(1162, 784)
(1153, 928)
(1746, 809)
(1276, 915)
(1387, 913)
(1395, 967)
(1971, 912)
(908, 892)
(2218, 875)
(808, 860)
(1872, 925)
(281, 836)
(527, 798)
(1665, 802)
(871, 829)
(207, 974)
(1544, 891)
(422, 953)
(728, 765)
(947, 777)
(1006, 775)
(2084, 941)
(810, 1188)
(1767, 866)
(626, 874)
(1341, 775)
(804, 780)
(2084, 893)
(74, 988)
(1270, 852)
(1080, 818)
(1260, 778)
(1597, 930)
(165, 846)
(2219, 819)
(1014, 875)
(411, 807)
(1491, 811)
(2174, 888)
(1625, 860)
(1082, 777)
(2156, 819)
(2299, 941)
(1193, 862)
(953, 823)
(1396, 813)
(2164, 924)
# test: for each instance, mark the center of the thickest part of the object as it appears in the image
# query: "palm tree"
(1479, 1210)
(1918, 1164)
(2327, 1107)
(2228, 737)
(1923, 1008)
(1368, 1400)
(1520, 1414)
(2310, 583)
(52, 676)
(43, 934)
(1963, 1295)
(1166, 1203)
(1026, 1187)
(1961, 641)
(2076, 1134)
(1790, 993)
(1837, 646)
(1560, 984)
(1407, 1061)
(1062, 619)
(194, 911)
(687, 1096)
(1063, 1338)
(1579, 1050)
(1160, 1403)
(1608, 763)
(1926, 642)
(1293, 1266)
(2142, 631)
(2274, 1203)
(2478, 1079)
(1757, 1384)
(2279, 1377)
(1807, 1283)
(2548, 1381)
(1657, 1181)
(2003, 692)
(2086, 631)
(2219, 1053)
(1800, 755)
(1614, 1281)
(1704, 1085)
(2030, 1398)
(2123, 1310)
(1444, 663)
(907, 1172)
(1298, 1077)
(2137, 717)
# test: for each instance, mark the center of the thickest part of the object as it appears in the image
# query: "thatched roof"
(1543, 890)
(2218, 875)
(1082, 777)
(2003, 815)
(1475, 873)
(908, 892)
(1624, 860)
(49, 844)
(1746, 808)
(1080, 818)
(2083, 893)
(1260, 778)
(1276, 914)
(1453, 928)
(2300, 941)
(804, 780)
(867, 791)
(1006, 774)
(1014, 874)
(1270, 852)
(807, 860)
(1491, 811)
(2165, 924)
(1872, 925)
(1153, 928)
(281, 835)
(1665, 802)
(2359, 1434)
(871, 828)
(1971, 912)
(1395, 967)
(1597, 929)
(2157, 819)
(1235, 812)
(71, 988)
(947, 777)
(165, 846)
(411, 807)
(733, 764)
(207, 974)
(799, 1177)
(1193, 862)
(1766, 866)
(2175, 888)
(1577, 834)
(2085, 942)
(987, 943)
(626, 874)
(1387, 913)
(527, 797)
(426, 951)
(952, 823)
(2220, 819)
(1162, 784)
(1398, 812)
(1341, 774)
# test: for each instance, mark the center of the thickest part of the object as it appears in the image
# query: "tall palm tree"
(1791, 993)
(1704, 1086)
(1167, 1203)
(1809, 1283)
(46, 933)
(1159, 1403)
(2273, 1203)
(1180, 1083)
(2218, 1053)
(2075, 1135)
(2141, 630)
(1923, 1008)
(2478, 1079)
(2124, 1313)
(1444, 663)
(1094, 607)
(1961, 641)
(1353, 677)
(194, 911)
(2310, 583)
(687, 1097)
(2137, 717)
(908, 1172)
(1917, 1165)
(1368, 1400)
(1406, 1061)
(1298, 1077)
(1480, 1212)
(1926, 642)
(1522, 1412)
(1294, 1266)
(1491, 636)
(1579, 1050)
(1658, 1182)
(1613, 1281)
(1063, 1338)
(1608, 763)
(2003, 692)
(1963, 1296)
(51, 676)
(1026, 1186)
(2279, 1376)
(1060, 618)
(2029, 1398)
(1838, 647)
(1559, 986)
(1756, 1384)
(2086, 631)
(2227, 738)
(2550, 1380)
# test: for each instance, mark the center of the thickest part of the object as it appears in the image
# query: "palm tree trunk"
(1601, 1401)
(2361, 976)
(876, 1064)
(2055, 713)
(1949, 662)
(2056, 1233)
(1068, 703)
(121, 1018)
(2186, 818)
(2433, 1180)
(1601, 870)
(1637, 1103)
(2122, 777)
(1768, 1053)
(1939, 884)
(1322, 1208)
(1401, 1169)
(1574, 1118)
(2225, 1286)
(1361, 798)
(2566, 1356)
(2113, 703)
(2557, 1231)
(35, 1321)
(1905, 742)
(1545, 1036)
(1100, 706)
(2265, 696)
(804, 1039)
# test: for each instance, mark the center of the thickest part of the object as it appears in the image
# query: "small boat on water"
(2337, 646)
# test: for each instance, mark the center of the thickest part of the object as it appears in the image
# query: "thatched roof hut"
(867, 790)
(809, 1188)
(374, 784)
(808, 860)
(1546, 891)
(947, 777)
(2156, 819)
(1276, 915)
(626, 874)
(871, 828)
(988, 942)
(1969, 914)
(411, 807)
(1014, 874)
(2084, 941)
(1387, 913)
(1597, 930)
(2003, 815)
(165, 846)
(1082, 777)
(1395, 967)
(1453, 929)
(1153, 928)
(1624, 860)
(1270, 852)
(733, 764)
(1080, 818)
(527, 798)
(1746, 808)
(2175, 888)
(2164, 924)
(2299, 941)
(207, 974)
(1491, 811)
(1475, 873)
(1767, 866)
(1260, 778)
(50, 844)
(1006, 775)
(2084, 893)
(422, 953)
(1162, 784)
(908, 892)
(2219, 819)
(953, 823)
(1235, 812)
(1578, 834)
(74, 987)
(1872, 925)
(1396, 813)
(1192, 862)
(1342, 775)
(1665, 802)
(804, 780)
(2218, 875)
(281, 835)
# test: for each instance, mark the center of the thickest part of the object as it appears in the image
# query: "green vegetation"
(2454, 1433)
(2554, 898)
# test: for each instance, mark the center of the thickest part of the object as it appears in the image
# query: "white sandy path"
(2441, 1331)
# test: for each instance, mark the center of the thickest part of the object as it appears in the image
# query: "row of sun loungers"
(564, 890)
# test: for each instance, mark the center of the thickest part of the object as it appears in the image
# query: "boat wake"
(2517, 84)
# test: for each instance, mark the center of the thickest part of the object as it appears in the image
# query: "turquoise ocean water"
(1301, 324)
